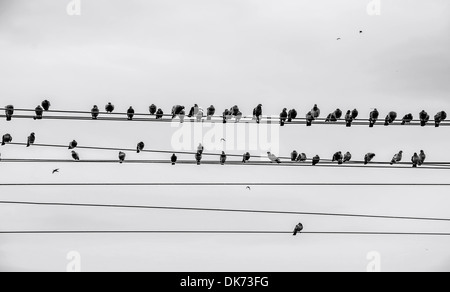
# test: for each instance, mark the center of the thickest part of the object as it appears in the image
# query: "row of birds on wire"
(338, 157)
(286, 116)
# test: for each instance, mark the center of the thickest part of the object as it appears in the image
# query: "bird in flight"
(223, 140)
(55, 171)
(249, 188)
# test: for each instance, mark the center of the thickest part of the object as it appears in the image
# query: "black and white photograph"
(186, 137)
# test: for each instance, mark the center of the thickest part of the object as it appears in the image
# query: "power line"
(223, 210)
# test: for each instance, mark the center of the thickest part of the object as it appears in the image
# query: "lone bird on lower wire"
(298, 229)
(31, 139)
(95, 112)
(246, 157)
(122, 157)
(75, 156)
(174, 159)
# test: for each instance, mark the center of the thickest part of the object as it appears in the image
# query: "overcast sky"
(224, 52)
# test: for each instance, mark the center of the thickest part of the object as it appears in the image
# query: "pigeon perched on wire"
(174, 159)
(315, 111)
(31, 139)
(257, 113)
(348, 119)
(210, 112)
(198, 158)
(273, 158)
(298, 229)
(390, 118)
(39, 111)
(73, 144)
(223, 158)
(407, 119)
(46, 105)
(140, 147)
(439, 118)
(234, 110)
(338, 157)
(368, 158)
(246, 157)
(316, 160)
(176, 110)
(424, 118)
(334, 116)
(75, 156)
(294, 156)
(302, 157)
(309, 119)
(194, 111)
(199, 114)
(95, 112)
(397, 158)
(9, 112)
(292, 115)
(159, 114)
(355, 114)
(283, 117)
(422, 157)
(226, 115)
(347, 157)
(7, 138)
(152, 109)
(415, 160)
(239, 117)
(200, 148)
(130, 113)
(122, 157)
(109, 108)
(373, 118)
(182, 116)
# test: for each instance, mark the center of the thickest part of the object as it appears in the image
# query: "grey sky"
(279, 53)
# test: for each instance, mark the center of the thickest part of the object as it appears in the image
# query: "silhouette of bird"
(439, 118)
(407, 119)
(316, 160)
(415, 160)
(390, 118)
(283, 117)
(294, 156)
(176, 110)
(338, 157)
(130, 113)
(246, 157)
(200, 148)
(46, 105)
(397, 158)
(95, 112)
(347, 157)
(73, 144)
(9, 112)
(257, 113)
(223, 158)
(315, 111)
(152, 109)
(368, 158)
(239, 117)
(198, 158)
(174, 159)
(309, 119)
(39, 111)
(31, 139)
(355, 114)
(292, 115)
(349, 119)
(194, 111)
(334, 116)
(75, 156)
(273, 158)
(7, 138)
(210, 112)
(374, 115)
(199, 114)
(159, 114)
(122, 157)
(140, 146)
(55, 171)
(422, 157)
(234, 110)
(226, 114)
(249, 188)
(302, 157)
(109, 108)
(298, 229)
(424, 118)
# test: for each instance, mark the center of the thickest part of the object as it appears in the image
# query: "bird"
(309, 119)
(31, 139)
(109, 107)
(199, 114)
(176, 110)
(298, 229)
(75, 156)
(273, 158)
(407, 119)
(200, 148)
(334, 116)
(347, 157)
(360, 31)
(355, 114)
(348, 119)
(316, 160)
(174, 159)
(257, 113)
(73, 144)
(239, 117)
(223, 158)
(235, 110)
(415, 160)
(422, 157)
(55, 171)
(198, 158)
(182, 116)
(338, 39)
(7, 138)
(390, 118)
(152, 109)
(368, 158)
(439, 117)
(302, 157)
(246, 157)
(338, 157)
(397, 158)
(95, 112)
(130, 113)
(122, 156)
(140, 146)
(249, 188)
(9, 112)
(294, 156)
(373, 118)
(223, 140)
(159, 114)
(225, 116)
(46, 105)
(39, 112)
(210, 112)
(283, 117)
(315, 111)
(193, 112)
(292, 115)
(424, 118)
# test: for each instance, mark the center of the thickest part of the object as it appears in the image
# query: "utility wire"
(222, 210)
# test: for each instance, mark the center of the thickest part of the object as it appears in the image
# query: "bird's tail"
(437, 124)
(173, 163)
(8, 118)
(308, 123)
(423, 123)
(372, 123)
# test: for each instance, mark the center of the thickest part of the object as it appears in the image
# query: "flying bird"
(39, 111)
(374, 115)
(152, 109)
(223, 158)
(424, 118)
(249, 188)
(31, 139)
(338, 157)
(397, 158)
(95, 112)
(122, 157)
(368, 158)
(75, 156)
(292, 115)
(415, 160)
(7, 138)
(298, 229)
(140, 146)
(130, 113)
(9, 112)
(390, 118)
(210, 112)
(73, 144)
(273, 158)
(422, 157)
(174, 159)
(302, 157)
(198, 158)
(407, 119)
(316, 160)
(109, 108)
(439, 118)
(159, 114)
(55, 171)
(347, 157)
(257, 113)
(294, 156)
(283, 117)
(246, 157)
(46, 105)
